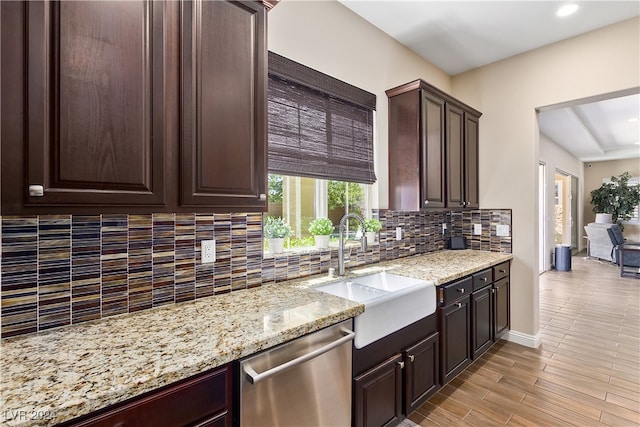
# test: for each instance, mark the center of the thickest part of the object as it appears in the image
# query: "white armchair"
(600, 244)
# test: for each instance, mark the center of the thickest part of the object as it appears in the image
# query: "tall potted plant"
(321, 229)
(617, 198)
(275, 231)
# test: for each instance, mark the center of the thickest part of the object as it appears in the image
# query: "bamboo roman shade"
(319, 127)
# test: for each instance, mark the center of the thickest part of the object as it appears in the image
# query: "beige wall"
(594, 173)
(508, 93)
(330, 38)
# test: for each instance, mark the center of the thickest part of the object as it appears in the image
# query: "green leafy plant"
(617, 198)
(276, 228)
(372, 225)
(321, 227)
(275, 188)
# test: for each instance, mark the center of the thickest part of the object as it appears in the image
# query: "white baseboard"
(532, 341)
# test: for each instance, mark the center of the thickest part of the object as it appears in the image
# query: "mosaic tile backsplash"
(58, 270)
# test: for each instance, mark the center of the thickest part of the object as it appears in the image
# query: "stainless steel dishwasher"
(304, 382)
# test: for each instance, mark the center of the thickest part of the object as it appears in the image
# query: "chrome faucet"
(341, 227)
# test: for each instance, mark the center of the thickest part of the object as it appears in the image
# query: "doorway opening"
(565, 210)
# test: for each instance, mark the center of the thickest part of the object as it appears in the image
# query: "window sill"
(333, 246)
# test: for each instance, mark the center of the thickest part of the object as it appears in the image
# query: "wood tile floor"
(585, 373)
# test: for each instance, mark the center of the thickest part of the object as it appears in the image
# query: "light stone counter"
(67, 372)
(61, 374)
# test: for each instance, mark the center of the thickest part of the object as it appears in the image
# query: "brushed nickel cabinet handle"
(36, 190)
(459, 305)
(411, 358)
(461, 290)
(401, 365)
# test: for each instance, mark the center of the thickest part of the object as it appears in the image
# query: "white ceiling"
(458, 36)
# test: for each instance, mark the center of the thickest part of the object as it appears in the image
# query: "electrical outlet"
(444, 227)
(208, 251)
(477, 229)
(398, 233)
(502, 230)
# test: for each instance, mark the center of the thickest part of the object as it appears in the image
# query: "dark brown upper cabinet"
(223, 147)
(94, 103)
(462, 157)
(133, 107)
(433, 149)
(416, 148)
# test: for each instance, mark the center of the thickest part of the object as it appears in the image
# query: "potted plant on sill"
(617, 198)
(321, 229)
(371, 228)
(275, 231)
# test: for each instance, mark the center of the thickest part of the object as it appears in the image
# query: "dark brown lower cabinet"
(501, 316)
(202, 400)
(378, 394)
(396, 374)
(421, 372)
(455, 331)
(482, 313)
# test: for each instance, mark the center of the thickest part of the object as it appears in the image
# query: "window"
(301, 199)
(320, 147)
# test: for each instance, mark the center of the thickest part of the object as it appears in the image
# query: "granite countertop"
(58, 375)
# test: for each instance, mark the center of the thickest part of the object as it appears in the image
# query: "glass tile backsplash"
(58, 270)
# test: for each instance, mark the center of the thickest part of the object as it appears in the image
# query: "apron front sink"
(391, 303)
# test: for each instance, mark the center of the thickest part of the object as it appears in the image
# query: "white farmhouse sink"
(391, 303)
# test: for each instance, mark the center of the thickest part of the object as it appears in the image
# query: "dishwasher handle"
(254, 377)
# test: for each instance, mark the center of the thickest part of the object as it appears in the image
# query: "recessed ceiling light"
(632, 120)
(567, 9)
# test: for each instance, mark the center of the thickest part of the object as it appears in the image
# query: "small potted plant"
(275, 231)
(371, 228)
(321, 228)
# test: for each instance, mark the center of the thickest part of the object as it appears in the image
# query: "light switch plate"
(477, 229)
(398, 233)
(444, 227)
(208, 251)
(502, 230)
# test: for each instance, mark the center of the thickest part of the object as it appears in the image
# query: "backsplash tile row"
(65, 269)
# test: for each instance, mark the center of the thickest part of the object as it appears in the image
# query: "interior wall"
(327, 36)
(557, 158)
(594, 173)
(508, 93)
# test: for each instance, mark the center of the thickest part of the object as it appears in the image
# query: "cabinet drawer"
(202, 399)
(500, 271)
(482, 279)
(453, 291)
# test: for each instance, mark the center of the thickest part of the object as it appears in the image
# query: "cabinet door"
(95, 103)
(378, 394)
(455, 328)
(223, 147)
(432, 152)
(471, 160)
(421, 373)
(501, 307)
(482, 321)
(455, 156)
(404, 151)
